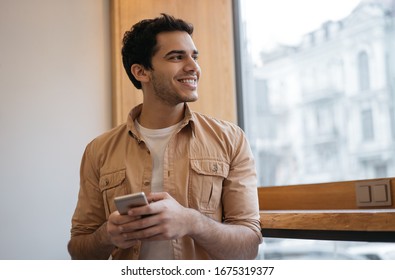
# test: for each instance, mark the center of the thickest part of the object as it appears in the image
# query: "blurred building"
(324, 110)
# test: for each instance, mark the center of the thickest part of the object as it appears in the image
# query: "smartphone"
(125, 202)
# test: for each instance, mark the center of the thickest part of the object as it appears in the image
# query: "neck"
(155, 117)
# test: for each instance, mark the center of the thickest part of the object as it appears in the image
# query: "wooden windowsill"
(380, 220)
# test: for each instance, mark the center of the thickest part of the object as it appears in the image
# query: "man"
(198, 172)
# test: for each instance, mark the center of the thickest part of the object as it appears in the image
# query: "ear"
(140, 73)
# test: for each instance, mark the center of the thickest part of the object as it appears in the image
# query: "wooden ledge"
(352, 220)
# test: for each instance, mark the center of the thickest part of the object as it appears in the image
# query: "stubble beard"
(168, 95)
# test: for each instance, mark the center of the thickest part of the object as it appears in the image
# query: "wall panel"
(213, 37)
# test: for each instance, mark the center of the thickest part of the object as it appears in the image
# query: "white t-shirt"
(156, 141)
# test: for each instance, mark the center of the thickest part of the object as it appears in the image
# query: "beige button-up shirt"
(208, 166)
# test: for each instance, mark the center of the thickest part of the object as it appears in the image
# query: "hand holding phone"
(125, 202)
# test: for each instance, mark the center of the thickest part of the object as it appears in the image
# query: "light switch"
(363, 194)
(379, 193)
(371, 193)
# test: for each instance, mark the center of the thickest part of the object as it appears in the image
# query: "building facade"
(324, 110)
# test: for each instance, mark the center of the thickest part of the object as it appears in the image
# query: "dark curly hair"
(139, 43)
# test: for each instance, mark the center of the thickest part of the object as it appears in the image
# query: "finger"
(156, 196)
(126, 243)
(140, 224)
(122, 239)
(118, 219)
(139, 211)
(151, 233)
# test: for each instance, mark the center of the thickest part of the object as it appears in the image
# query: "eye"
(176, 57)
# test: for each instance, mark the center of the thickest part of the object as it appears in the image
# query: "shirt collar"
(136, 111)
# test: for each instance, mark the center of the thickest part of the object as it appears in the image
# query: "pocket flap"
(210, 167)
(111, 180)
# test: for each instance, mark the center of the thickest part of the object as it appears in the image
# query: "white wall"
(54, 98)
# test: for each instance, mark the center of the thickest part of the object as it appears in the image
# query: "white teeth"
(188, 81)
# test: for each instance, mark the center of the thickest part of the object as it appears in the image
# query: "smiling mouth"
(192, 82)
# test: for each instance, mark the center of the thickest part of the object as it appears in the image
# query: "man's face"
(175, 73)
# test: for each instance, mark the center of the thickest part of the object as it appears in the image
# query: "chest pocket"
(112, 185)
(205, 185)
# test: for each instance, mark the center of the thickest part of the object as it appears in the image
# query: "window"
(306, 70)
(367, 125)
(363, 70)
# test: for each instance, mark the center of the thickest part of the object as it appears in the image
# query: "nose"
(192, 65)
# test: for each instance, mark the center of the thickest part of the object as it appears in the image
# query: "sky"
(285, 21)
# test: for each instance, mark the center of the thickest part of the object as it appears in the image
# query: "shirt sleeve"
(90, 211)
(240, 194)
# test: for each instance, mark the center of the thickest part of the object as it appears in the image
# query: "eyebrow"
(179, 52)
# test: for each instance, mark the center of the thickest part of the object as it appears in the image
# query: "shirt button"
(147, 183)
(215, 168)
(106, 182)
